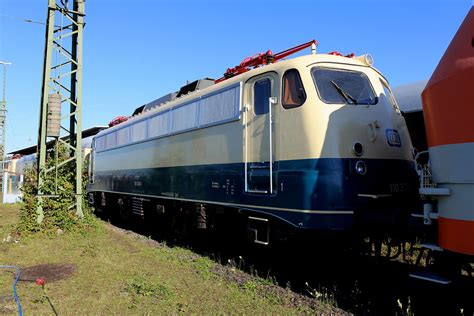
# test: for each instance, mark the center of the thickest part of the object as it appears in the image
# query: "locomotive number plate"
(398, 187)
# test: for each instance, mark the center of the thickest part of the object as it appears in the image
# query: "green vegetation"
(57, 211)
(112, 271)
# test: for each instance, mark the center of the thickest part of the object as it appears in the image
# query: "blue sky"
(137, 50)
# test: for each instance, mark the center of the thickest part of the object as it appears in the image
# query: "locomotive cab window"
(262, 91)
(336, 86)
(293, 90)
(390, 97)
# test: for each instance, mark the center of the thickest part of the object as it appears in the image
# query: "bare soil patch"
(49, 272)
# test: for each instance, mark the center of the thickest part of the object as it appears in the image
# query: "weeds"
(251, 286)
(90, 250)
(39, 299)
(203, 266)
(143, 286)
(322, 295)
(407, 311)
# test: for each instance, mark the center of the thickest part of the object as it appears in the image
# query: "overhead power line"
(21, 19)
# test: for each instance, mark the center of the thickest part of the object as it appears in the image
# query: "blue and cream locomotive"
(315, 143)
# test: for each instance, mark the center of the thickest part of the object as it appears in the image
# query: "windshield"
(343, 86)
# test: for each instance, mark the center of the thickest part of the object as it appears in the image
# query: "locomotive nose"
(385, 138)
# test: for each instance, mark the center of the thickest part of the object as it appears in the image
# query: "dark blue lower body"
(321, 194)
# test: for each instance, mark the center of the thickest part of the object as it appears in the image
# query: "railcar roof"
(301, 61)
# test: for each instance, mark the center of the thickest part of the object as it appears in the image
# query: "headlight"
(366, 59)
(357, 149)
(360, 167)
(369, 60)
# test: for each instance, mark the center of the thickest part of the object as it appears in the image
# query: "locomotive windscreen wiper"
(343, 93)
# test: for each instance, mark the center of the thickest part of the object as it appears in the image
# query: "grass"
(118, 272)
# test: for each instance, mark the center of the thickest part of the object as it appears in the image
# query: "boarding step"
(433, 247)
(258, 230)
(432, 215)
(430, 276)
(374, 196)
(435, 191)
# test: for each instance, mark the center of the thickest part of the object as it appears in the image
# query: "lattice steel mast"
(3, 117)
(62, 85)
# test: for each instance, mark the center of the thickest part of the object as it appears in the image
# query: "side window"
(262, 91)
(390, 97)
(293, 90)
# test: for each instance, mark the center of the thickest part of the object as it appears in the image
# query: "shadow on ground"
(325, 269)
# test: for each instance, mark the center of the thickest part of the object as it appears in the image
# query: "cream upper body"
(315, 129)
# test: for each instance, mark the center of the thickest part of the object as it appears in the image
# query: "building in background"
(409, 100)
(17, 161)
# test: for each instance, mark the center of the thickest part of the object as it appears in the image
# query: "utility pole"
(62, 86)
(3, 117)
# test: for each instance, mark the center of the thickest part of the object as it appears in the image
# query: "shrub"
(59, 210)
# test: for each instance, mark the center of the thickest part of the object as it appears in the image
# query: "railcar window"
(262, 90)
(390, 97)
(158, 125)
(123, 136)
(138, 131)
(111, 140)
(100, 143)
(184, 117)
(215, 108)
(293, 90)
(219, 107)
(92, 162)
(337, 86)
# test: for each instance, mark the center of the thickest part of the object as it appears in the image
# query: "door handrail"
(245, 110)
(271, 102)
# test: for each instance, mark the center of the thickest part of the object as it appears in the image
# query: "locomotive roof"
(305, 60)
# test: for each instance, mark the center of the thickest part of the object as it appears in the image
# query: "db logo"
(393, 138)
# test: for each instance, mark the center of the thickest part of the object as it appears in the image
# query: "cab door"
(260, 100)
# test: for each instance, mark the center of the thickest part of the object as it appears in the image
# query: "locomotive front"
(353, 132)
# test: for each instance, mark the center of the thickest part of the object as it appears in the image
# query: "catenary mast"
(62, 86)
(3, 116)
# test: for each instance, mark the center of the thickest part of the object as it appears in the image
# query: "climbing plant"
(59, 216)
